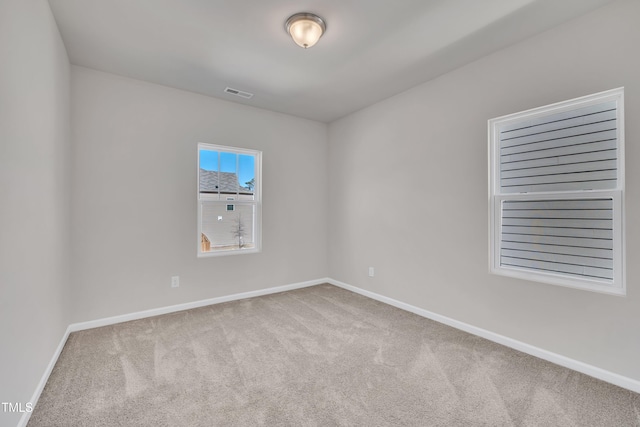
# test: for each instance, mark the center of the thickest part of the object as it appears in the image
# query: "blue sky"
(243, 165)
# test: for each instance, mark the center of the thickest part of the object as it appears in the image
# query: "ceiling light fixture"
(305, 28)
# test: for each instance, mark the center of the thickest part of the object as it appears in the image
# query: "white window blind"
(556, 189)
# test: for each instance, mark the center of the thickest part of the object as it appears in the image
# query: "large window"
(229, 200)
(557, 193)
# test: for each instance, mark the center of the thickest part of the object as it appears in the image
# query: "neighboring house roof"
(223, 182)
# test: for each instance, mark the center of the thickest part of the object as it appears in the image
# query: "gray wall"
(408, 191)
(34, 197)
(134, 196)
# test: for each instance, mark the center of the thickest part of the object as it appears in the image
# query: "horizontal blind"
(572, 237)
(568, 151)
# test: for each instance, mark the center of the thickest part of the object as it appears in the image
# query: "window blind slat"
(575, 270)
(594, 233)
(601, 224)
(561, 169)
(586, 132)
(569, 159)
(569, 186)
(585, 242)
(575, 112)
(598, 115)
(561, 204)
(589, 145)
(559, 259)
(559, 213)
(597, 175)
(563, 186)
(559, 250)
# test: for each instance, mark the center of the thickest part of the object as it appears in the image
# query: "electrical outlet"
(175, 281)
(371, 272)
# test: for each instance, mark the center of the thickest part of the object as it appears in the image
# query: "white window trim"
(618, 285)
(257, 191)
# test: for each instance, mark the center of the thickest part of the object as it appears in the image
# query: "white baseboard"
(189, 305)
(593, 371)
(45, 377)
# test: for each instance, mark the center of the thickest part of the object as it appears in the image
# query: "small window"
(224, 174)
(556, 193)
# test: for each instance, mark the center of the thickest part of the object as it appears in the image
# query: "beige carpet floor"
(319, 356)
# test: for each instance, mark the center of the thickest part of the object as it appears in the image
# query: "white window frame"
(617, 286)
(224, 201)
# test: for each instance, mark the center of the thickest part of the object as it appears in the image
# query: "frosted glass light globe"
(305, 29)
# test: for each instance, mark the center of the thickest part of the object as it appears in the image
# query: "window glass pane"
(209, 160)
(247, 176)
(224, 230)
(208, 174)
(228, 162)
(228, 173)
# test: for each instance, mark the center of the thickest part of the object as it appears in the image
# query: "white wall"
(408, 191)
(134, 196)
(34, 197)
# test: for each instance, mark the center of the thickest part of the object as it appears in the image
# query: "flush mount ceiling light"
(305, 29)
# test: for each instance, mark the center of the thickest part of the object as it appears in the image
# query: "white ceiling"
(372, 48)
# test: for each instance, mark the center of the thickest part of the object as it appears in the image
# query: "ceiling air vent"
(236, 92)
